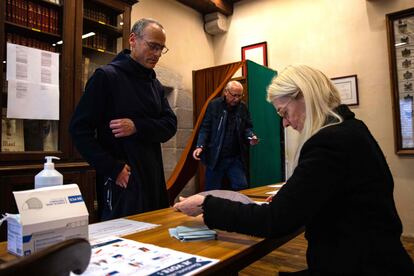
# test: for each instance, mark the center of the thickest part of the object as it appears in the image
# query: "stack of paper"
(231, 195)
(184, 233)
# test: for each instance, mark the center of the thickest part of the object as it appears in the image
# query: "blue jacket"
(213, 128)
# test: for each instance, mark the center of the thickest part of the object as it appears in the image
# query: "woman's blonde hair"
(320, 95)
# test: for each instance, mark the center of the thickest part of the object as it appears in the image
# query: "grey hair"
(139, 26)
(232, 83)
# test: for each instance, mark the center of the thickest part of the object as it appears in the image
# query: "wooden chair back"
(59, 259)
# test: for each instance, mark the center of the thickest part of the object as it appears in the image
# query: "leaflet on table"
(118, 256)
(117, 227)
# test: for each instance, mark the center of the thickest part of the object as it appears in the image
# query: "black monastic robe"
(125, 89)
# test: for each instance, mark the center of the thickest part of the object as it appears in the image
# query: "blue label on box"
(27, 238)
(76, 198)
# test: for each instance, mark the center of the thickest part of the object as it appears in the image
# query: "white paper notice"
(33, 83)
(26, 100)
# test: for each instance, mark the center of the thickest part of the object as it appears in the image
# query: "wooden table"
(235, 251)
(259, 192)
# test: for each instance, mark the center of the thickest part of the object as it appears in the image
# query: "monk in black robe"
(119, 123)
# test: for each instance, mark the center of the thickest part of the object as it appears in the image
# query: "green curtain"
(265, 158)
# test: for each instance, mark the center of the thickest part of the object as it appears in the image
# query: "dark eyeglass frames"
(155, 47)
(282, 111)
(238, 96)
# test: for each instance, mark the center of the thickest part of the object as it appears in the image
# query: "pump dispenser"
(48, 176)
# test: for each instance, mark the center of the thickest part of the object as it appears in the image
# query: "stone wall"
(180, 100)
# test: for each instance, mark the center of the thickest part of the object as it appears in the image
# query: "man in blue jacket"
(224, 137)
(119, 123)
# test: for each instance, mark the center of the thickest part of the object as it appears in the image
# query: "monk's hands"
(191, 206)
(122, 127)
(123, 177)
(197, 152)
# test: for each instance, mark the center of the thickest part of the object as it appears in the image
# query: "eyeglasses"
(282, 111)
(238, 96)
(155, 47)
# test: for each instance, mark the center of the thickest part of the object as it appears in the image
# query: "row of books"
(30, 42)
(97, 14)
(89, 67)
(98, 41)
(33, 15)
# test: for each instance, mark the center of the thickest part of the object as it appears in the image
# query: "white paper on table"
(272, 192)
(127, 257)
(117, 227)
(226, 194)
(276, 185)
(27, 100)
(32, 65)
(261, 202)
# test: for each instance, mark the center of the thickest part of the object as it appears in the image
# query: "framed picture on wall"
(256, 53)
(400, 30)
(348, 89)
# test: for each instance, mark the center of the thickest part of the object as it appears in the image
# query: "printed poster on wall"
(33, 83)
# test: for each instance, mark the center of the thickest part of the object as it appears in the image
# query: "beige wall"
(340, 37)
(190, 47)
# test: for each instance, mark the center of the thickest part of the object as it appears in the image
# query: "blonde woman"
(341, 189)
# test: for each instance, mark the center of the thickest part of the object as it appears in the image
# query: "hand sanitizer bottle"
(48, 176)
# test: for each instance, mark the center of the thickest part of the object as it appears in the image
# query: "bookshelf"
(40, 25)
(110, 22)
(55, 26)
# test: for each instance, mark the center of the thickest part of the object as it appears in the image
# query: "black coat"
(213, 127)
(125, 89)
(342, 192)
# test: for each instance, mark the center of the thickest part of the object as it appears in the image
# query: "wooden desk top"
(259, 192)
(235, 251)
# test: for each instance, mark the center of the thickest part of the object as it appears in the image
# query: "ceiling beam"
(223, 6)
(209, 6)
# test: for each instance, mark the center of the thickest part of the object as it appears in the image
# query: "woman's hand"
(191, 206)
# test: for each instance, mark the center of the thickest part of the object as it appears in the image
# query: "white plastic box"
(47, 216)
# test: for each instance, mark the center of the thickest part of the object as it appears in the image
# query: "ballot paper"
(230, 195)
(185, 233)
(118, 256)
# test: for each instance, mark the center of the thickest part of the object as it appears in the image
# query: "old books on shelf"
(34, 14)
(12, 138)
